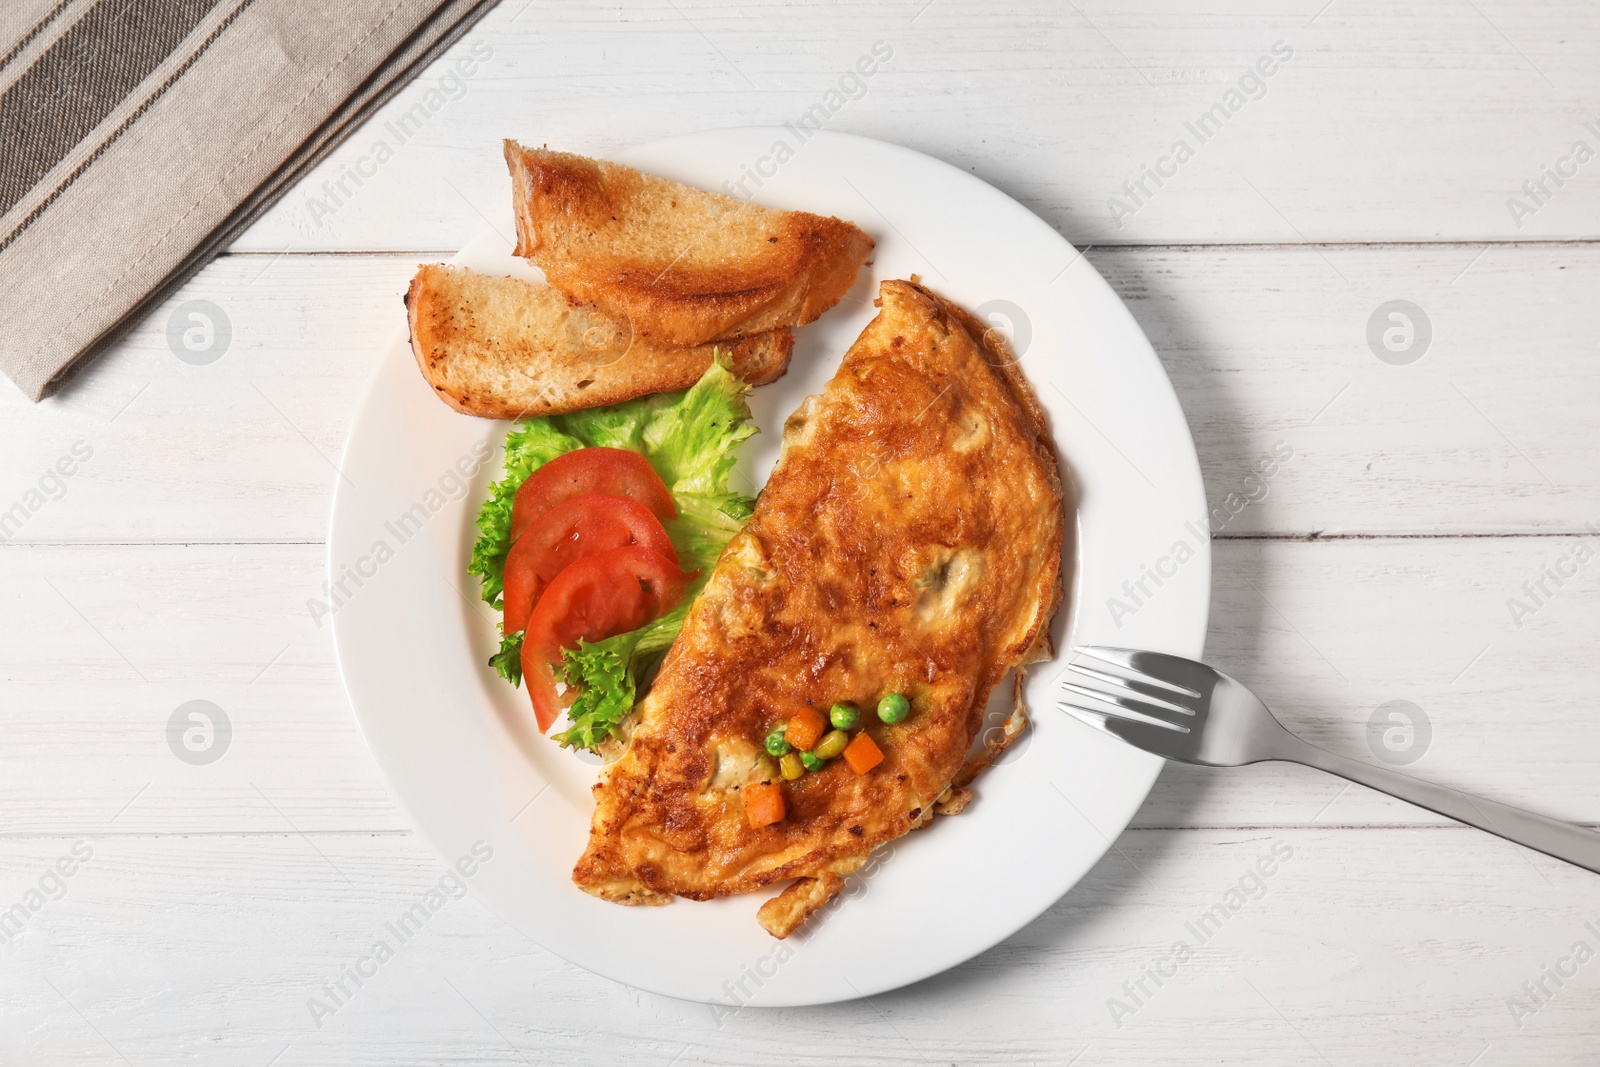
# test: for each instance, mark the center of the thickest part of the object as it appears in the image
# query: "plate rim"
(1071, 606)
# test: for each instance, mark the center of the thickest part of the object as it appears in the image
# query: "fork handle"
(1563, 840)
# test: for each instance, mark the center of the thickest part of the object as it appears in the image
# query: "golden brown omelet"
(909, 541)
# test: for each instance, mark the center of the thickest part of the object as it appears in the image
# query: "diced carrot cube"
(863, 753)
(763, 804)
(805, 729)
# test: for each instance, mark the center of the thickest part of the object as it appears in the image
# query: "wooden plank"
(1487, 429)
(219, 897)
(1266, 347)
(1417, 122)
(243, 448)
(1330, 634)
(100, 645)
(1391, 946)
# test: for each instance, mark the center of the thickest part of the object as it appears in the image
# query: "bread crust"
(683, 266)
(505, 348)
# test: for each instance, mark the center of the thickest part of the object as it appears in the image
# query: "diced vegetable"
(777, 743)
(844, 716)
(810, 762)
(863, 753)
(805, 729)
(894, 708)
(791, 767)
(763, 804)
(831, 745)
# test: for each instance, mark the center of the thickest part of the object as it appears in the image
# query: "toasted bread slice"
(504, 348)
(682, 265)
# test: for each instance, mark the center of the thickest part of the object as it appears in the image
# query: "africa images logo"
(1139, 190)
(450, 886)
(1140, 590)
(1136, 993)
(348, 578)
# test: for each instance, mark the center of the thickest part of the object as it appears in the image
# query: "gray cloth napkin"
(139, 137)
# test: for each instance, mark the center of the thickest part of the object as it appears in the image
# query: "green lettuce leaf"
(690, 439)
(607, 674)
(508, 661)
(603, 674)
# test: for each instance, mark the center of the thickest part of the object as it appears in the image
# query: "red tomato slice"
(573, 530)
(593, 599)
(602, 471)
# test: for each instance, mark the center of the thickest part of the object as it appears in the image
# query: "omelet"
(909, 541)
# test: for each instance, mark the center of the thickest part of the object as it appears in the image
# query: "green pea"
(777, 743)
(844, 716)
(893, 708)
(810, 762)
(791, 767)
(831, 745)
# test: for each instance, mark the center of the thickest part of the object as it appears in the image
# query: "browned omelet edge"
(802, 898)
(1042, 647)
(819, 877)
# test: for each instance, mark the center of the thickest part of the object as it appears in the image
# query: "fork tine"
(1088, 716)
(1099, 718)
(1123, 707)
(1169, 672)
(1116, 683)
(1164, 741)
(1156, 740)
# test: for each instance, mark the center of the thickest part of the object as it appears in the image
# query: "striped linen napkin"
(139, 137)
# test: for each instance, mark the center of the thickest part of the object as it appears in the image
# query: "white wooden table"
(208, 903)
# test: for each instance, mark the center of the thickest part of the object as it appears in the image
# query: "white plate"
(412, 635)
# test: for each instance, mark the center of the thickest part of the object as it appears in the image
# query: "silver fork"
(1183, 710)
